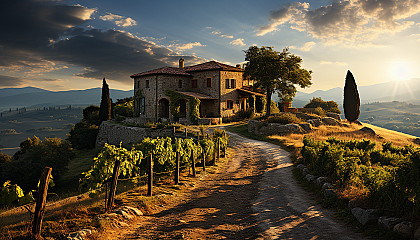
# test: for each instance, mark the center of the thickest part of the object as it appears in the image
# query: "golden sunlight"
(400, 71)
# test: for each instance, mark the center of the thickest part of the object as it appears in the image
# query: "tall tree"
(351, 98)
(276, 71)
(105, 111)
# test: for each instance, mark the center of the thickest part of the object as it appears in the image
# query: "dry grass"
(348, 133)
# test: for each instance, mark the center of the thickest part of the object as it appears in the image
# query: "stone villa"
(221, 89)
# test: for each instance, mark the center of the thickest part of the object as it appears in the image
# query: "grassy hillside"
(398, 116)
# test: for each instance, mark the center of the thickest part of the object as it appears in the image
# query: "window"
(208, 82)
(147, 84)
(179, 83)
(229, 104)
(230, 83)
(194, 83)
(142, 104)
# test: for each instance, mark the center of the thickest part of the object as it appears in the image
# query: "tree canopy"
(328, 106)
(276, 72)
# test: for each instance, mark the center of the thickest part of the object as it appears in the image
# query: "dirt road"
(253, 197)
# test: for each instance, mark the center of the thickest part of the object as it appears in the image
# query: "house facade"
(221, 89)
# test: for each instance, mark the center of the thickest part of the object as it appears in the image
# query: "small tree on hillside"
(351, 98)
(276, 71)
(328, 106)
(105, 111)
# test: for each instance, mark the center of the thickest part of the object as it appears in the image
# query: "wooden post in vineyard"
(113, 186)
(178, 155)
(193, 164)
(204, 160)
(214, 154)
(218, 149)
(40, 202)
(150, 175)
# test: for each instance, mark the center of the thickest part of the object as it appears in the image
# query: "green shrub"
(284, 118)
(125, 109)
(327, 106)
(319, 111)
(34, 155)
(83, 135)
(91, 114)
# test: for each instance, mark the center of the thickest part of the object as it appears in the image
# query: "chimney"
(238, 65)
(181, 63)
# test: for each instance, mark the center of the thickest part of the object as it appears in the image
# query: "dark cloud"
(8, 81)
(42, 36)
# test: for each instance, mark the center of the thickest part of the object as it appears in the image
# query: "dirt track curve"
(254, 197)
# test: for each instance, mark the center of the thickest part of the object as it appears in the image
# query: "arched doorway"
(163, 108)
(182, 108)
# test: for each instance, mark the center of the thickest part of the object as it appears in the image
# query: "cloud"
(352, 22)
(334, 63)
(238, 42)
(189, 46)
(305, 48)
(119, 20)
(38, 43)
(221, 35)
(8, 81)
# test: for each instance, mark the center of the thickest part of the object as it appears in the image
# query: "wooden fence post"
(178, 155)
(193, 163)
(204, 160)
(186, 133)
(40, 202)
(150, 175)
(218, 149)
(174, 132)
(113, 186)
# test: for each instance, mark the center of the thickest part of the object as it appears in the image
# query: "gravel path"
(253, 197)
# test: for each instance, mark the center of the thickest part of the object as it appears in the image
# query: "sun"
(400, 71)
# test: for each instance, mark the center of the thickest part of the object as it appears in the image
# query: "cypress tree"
(351, 99)
(105, 108)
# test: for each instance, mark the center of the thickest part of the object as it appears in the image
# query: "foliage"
(351, 103)
(12, 193)
(175, 100)
(91, 114)
(222, 137)
(390, 175)
(276, 71)
(125, 109)
(34, 155)
(274, 107)
(162, 151)
(319, 111)
(103, 166)
(327, 106)
(4, 158)
(105, 111)
(284, 118)
(83, 135)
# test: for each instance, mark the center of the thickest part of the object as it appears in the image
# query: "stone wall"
(114, 134)
(268, 129)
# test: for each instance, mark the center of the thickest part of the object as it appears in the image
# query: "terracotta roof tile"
(212, 65)
(164, 70)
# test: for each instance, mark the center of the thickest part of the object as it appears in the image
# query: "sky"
(73, 44)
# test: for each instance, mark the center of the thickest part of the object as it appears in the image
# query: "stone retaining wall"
(114, 134)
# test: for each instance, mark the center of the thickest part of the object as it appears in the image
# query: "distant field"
(16, 127)
(398, 116)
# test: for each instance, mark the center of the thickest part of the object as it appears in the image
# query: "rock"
(300, 167)
(327, 185)
(330, 193)
(417, 234)
(132, 210)
(365, 216)
(404, 228)
(321, 180)
(334, 115)
(123, 213)
(367, 130)
(417, 141)
(314, 122)
(330, 121)
(79, 235)
(388, 222)
(305, 171)
(345, 125)
(310, 178)
(306, 126)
